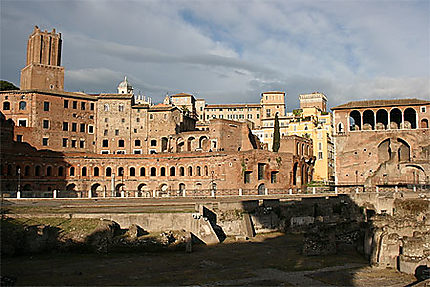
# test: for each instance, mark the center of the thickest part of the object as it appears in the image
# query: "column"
(240, 192)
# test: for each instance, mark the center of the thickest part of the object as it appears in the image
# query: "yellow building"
(310, 121)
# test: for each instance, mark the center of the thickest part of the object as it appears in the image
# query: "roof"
(54, 93)
(115, 96)
(273, 92)
(225, 106)
(182, 95)
(381, 103)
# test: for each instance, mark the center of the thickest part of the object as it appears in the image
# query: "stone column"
(266, 191)
(240, 192)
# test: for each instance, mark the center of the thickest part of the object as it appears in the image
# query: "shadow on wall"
(32, 172)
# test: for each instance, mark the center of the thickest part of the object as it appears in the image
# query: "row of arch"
(303, 149)
(302, 174)
(382, 120)
(29, 171)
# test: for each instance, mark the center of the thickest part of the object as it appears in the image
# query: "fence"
(202, 193)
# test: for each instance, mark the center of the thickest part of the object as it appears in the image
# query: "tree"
(276, 135)
(7, 86)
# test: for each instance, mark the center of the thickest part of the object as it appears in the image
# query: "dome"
(124, 87)
(124, 84)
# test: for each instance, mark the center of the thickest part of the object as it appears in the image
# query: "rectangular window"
(423, 109)
(106, 120)
(273, 176)
(65, 126)
(105, 143)
(46, 106)
(65, 142)
(82, 128)
(121, 143)
(151, 117)
(45, 141)
(74, 127)
(137, 119)
(22, 123)
(247, 177)
(258, 116)
(319, 146)
(105, 152)
(116, 132)
(137, 151)
(137, 142)
(90, 129)
(19, 138)
(81, 143)
(73, 143)
(121, 108)
(45, 124)
(83, 106)
(66, 104)
(320, 155)
(92, 106)
(261, 171)
(105, 132)
(75, 104)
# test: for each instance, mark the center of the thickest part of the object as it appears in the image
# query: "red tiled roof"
(381, 103)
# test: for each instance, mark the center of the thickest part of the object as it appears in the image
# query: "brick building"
(110, 144)
(382, 143)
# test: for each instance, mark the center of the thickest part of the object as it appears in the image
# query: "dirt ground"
(266, 260)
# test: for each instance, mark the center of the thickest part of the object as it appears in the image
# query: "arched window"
(142, 171)
(163, 171)
(108, 171)
(181, 171)
(410, 116)
(206, 170)
(27, 170)
(381, 119)
(354, 121)
(6, 106)
(22, 106)
(72, 171)
(84, 171)
(198, 171)
(37, 170)
(424, 124)
(96, 171)
(340, 128)
(120, 171)
(172, 171)
(106, 107)
(368, 120)
(9, 169)
(49, 171)
(395, 118)
(132, 171)
(60, 171)
(153, 171)
(190, 171)
(298, 149)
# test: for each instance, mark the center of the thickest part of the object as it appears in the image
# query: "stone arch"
(302, 171)
(414, 174)
(96, 190)
(142, 190)
(153, 171)
(410, 118)
(190, 143)
(368, 120)
(27, 170)
(424, 123)
(354, 120)
(119, 188)
(384, 151)
(340, 128)
(395, 118)
(142, 171)
(71, 187)
(164, 144)
(180, 144)
(163, 189)
(381, 119)
(261, 189)
(404, 151)
(203, 143)
(295, 175)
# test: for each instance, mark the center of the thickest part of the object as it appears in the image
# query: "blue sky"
(231, 51)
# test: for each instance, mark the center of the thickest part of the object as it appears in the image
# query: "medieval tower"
(43, 70)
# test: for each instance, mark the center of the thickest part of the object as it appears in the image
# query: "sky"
(231, 51)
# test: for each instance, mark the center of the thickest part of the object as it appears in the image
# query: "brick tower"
(43, 70)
